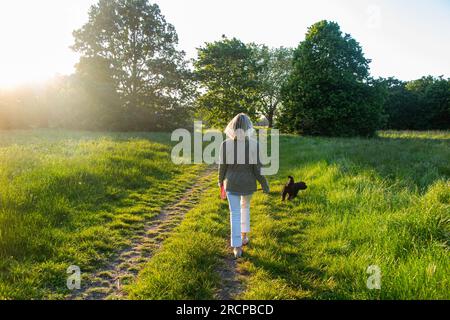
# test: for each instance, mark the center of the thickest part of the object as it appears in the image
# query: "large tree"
(276, 68)
(329, 91)
(227, 72)
(140, 47)
(89, 98)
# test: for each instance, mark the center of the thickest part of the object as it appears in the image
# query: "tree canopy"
(131, 76)
(329, 91)
(422, 104)
(275, 70)
(227, 73)
(149, 73)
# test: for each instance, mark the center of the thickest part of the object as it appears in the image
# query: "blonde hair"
(240, 127)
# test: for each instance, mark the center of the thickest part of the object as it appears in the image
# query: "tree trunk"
(134, 98)
(269, 117)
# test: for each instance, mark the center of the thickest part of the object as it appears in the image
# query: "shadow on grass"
(287, 262)
(413, 162)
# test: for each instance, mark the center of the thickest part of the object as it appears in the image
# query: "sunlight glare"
(35, 37)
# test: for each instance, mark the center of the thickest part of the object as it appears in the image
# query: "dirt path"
(232, 279)
(107, 283)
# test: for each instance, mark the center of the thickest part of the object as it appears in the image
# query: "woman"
(239, 169)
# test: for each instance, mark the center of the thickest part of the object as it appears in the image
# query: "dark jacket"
(240, 176)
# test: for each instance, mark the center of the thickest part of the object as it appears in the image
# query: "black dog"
(291, 188)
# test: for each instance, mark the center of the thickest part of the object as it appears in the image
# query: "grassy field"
(76, 198)
(380, 202)
(69, 198)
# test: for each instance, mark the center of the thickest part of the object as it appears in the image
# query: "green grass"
(431, 135)
(383, 201)
(74, 198)
(186, 267)
(378, 202)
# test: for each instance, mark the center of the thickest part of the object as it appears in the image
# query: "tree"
(329, 91)
(149, 73)
(433, 98)
(275, 70)
(94, 101)
(421, 104)
(227, 73)
(401, 106)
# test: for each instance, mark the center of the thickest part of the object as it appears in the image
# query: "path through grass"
(383, 202)
(109, 281)
(77, 198)
(73, 198)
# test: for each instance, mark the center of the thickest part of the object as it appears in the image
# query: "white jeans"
(239, 217)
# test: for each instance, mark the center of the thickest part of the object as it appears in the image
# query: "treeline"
(131, 77)
(422, 104)
(323, 87)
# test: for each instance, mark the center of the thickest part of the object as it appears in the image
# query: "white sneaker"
(237, 252)
(245, 241)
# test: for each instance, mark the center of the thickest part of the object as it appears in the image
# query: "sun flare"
(35, 37)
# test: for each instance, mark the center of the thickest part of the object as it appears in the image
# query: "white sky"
(405, 39)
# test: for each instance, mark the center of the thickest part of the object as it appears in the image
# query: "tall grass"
(186, 267)
(71, 198)
(76, 198)
(382, 201)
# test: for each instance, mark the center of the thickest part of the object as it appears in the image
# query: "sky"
(405, 39)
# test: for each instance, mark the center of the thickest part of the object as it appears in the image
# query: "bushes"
(422, 104)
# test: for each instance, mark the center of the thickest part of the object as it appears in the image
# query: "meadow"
(77, 198)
